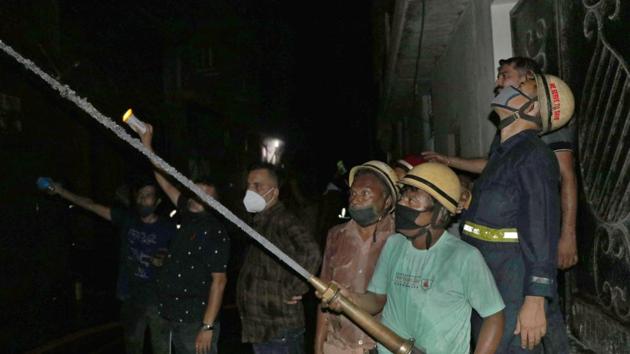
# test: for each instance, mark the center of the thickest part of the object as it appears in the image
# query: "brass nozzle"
(393, 342)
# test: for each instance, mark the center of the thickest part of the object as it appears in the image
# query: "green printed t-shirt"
(430, 293)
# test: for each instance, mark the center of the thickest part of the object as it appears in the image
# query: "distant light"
(173, 213)
(178, 226)
(271, 150)
(70, 206)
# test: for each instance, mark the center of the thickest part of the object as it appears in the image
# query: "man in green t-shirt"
(427, 281)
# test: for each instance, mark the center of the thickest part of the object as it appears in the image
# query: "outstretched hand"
(57, 188)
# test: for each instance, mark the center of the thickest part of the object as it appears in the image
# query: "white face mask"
(254, 202)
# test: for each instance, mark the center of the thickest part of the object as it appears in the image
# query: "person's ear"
(443, 217)
(529, 75)
(276, 192)
(464, 201)
(388, 203)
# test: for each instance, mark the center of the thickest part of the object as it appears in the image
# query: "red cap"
(414, 160)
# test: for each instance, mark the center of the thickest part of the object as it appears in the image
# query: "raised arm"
(86, 203)
(470, 165)
(169, 189)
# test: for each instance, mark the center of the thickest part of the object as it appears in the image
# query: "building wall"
(462, 86)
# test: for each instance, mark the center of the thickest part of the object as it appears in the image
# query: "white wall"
(463, 83)
(501, 30)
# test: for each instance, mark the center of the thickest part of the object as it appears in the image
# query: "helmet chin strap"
(518, 114)
(375, 228)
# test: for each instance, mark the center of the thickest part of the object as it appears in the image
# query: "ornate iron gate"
(585, 42)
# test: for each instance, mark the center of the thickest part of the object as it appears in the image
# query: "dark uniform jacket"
(519, 188)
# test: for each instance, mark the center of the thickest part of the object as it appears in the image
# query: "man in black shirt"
(193, 277)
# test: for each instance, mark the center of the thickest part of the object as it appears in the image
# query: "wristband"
(207, 327)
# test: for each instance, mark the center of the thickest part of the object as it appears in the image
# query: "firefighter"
(427, 281)
(514, 217)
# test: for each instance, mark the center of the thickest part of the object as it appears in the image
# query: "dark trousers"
(508, 268)
(136, 318)
(288, 342)
(184, 335)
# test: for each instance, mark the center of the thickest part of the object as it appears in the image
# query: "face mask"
(502, 101)
(364, 216)
(145, 211)
(406, 217)
(254, 202)
(505, 95)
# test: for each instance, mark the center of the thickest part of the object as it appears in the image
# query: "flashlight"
(136, 124)
(45, 184)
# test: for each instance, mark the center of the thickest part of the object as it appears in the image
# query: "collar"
(504, 147)
(268, 213)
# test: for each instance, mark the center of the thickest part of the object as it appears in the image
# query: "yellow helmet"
(438, 180)
(383, 170)
(556, 102)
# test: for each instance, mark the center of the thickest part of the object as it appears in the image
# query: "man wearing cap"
(352, 250)
(513, 72)
(426, 280)
(514, 217)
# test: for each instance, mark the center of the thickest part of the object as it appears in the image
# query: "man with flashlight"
(193, 277)
(427, 281)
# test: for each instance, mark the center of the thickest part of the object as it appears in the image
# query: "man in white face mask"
(262, 190)
(268, 293)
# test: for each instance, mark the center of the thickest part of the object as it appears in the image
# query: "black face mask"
(145, 211)
(406, 217)
(364, 216)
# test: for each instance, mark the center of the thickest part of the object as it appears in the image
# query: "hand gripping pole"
(392, 341)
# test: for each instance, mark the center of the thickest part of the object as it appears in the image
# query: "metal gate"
(587, 43)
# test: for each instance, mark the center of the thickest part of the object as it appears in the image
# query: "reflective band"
(510, 234)
(489, 234)
(540, 280)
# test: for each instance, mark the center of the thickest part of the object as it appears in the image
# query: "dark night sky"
(315, 60)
